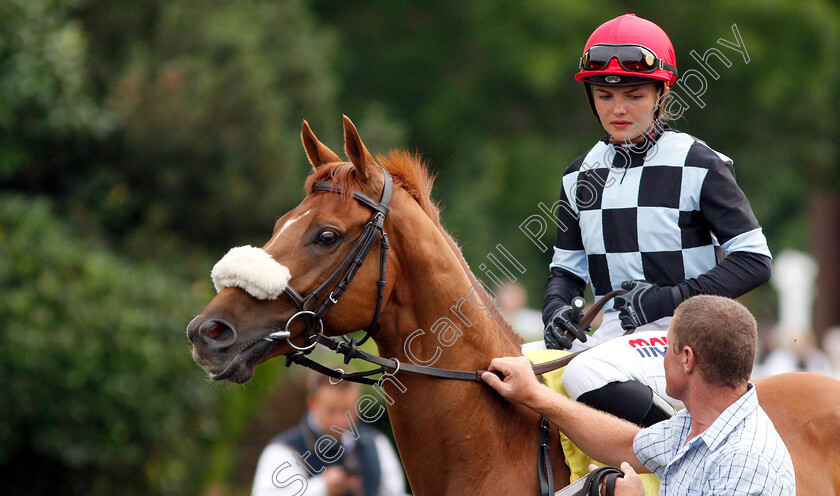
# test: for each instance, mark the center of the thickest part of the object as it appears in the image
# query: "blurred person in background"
(513, 302)
(831, 345)
(330, 452)
(799, 354)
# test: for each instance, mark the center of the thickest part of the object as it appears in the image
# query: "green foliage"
(169, 131)
(43, 55)
(100, 386)
(46, 90)
(211, 105)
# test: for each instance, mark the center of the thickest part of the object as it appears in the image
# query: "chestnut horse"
(454, 437)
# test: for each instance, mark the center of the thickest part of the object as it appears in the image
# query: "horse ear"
(317, 152)
(355, 149)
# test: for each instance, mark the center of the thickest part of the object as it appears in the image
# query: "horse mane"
(411, 174)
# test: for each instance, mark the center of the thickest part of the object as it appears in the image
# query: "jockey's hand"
(519, 385)
(629, 485)
(644, 303)
(561, 321)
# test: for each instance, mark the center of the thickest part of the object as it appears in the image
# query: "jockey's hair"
(723, 335)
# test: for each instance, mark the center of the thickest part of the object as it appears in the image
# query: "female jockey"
(648, 209)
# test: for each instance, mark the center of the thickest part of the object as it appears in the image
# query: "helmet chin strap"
(660, 97)
(587, 86)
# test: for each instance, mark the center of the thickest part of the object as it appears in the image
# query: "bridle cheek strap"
(340, 279)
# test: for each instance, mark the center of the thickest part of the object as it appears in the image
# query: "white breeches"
(619, 358)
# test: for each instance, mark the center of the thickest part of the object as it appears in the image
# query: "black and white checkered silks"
(658, 219)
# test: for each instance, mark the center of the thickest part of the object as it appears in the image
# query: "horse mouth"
(241, 368)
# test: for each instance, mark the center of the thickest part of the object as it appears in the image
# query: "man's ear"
(688, 359)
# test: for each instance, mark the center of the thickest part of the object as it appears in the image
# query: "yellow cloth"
(576, 459)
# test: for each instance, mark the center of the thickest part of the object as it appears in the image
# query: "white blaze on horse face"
(253, 270)
(286, 226)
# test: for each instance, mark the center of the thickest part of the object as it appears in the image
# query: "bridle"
(337, 284)
(343, 275)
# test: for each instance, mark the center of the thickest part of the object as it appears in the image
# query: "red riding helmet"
(628, 50)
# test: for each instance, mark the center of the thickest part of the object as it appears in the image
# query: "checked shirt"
(659, 212)
(739, 454)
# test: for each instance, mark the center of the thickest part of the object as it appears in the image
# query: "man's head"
(329, 403)
(721, 334)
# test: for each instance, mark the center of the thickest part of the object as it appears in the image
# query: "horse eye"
(328, 237)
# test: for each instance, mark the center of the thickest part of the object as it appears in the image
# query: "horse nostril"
(217, 334)
(213, 331)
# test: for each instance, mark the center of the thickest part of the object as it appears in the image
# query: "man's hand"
(340, 482)
(519, 385)
(629, 485)
(555, 331)
(644, 303)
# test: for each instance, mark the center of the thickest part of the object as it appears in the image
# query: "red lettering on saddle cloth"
(649, 349)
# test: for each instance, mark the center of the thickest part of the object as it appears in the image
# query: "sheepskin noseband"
(253, 270)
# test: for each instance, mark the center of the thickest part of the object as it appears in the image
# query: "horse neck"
(437, 307)
(432, 311)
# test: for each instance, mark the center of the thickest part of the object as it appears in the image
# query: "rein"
(341, 278)
(351, 351)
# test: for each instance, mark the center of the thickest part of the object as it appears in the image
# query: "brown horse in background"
(454, 437)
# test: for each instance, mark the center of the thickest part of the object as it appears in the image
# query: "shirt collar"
(730, 419)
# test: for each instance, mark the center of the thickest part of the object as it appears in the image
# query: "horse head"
(323, 271)
(274, 300)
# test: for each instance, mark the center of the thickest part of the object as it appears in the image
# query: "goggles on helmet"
(631, 58)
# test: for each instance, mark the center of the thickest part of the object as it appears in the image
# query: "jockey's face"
(625, 111)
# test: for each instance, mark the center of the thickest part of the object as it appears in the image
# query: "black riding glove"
(644, 303)
(561, 321)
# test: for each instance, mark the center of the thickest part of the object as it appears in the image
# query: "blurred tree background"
(139, 140)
